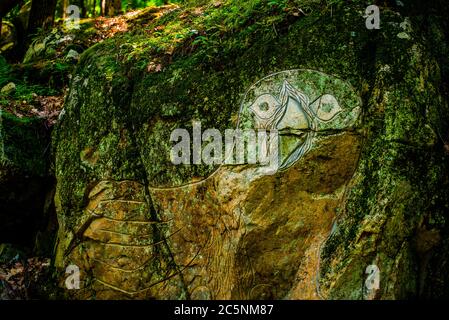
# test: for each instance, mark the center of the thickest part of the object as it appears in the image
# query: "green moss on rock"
(129, 92)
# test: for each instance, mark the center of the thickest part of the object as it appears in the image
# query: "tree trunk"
(109, 7)
(102, 7)
(81, 5)
(65, 4)
(83, 8)
(41, 15)
(113, 7)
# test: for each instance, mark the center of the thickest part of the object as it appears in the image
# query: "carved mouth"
(293, 132)
(290, 141)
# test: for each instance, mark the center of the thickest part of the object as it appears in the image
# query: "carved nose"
(294, 117)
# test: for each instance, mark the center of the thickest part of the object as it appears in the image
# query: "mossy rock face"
(24, 143)
(140, 227)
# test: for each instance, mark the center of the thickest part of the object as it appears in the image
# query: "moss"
(396, 182)
(122, 108)
(24, 144)
(127, 120)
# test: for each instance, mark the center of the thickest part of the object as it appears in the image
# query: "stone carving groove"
(237, 233)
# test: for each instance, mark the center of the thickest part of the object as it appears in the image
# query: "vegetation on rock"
(370, 193)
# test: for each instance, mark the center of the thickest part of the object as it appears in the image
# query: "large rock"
(8, 89)
(360, 178)
(9, 39)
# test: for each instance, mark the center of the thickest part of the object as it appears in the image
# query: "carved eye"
(264, 106)
(327, 107)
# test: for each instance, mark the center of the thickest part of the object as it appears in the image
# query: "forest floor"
(23, 279)
(40, 84)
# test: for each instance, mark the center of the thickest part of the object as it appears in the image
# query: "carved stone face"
(239, 233)
(299, 104)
